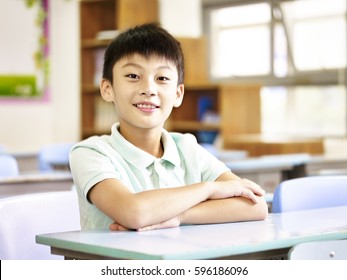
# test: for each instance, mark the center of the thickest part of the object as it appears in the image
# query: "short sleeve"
(87, 173)
(200, 164)
(211, 167)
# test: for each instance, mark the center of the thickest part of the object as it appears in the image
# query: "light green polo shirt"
(98, 158)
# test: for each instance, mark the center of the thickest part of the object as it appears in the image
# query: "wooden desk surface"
(312, 164)
(37, 177)
(258, 145)
(270, 238)
(270, 163)
(35, 182)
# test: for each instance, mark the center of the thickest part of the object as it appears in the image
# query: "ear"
(106, 90)
(179, 95)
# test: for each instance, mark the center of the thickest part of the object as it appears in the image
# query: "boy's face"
(144, 91)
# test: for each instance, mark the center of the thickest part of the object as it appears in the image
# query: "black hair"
(146, 40)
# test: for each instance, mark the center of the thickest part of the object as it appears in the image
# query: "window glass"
(241, 41)
(304, 110)
(317, 32)
(242, 15)
(289, 43)
(243, 52)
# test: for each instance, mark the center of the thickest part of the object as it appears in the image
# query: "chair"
(309, 193)
(23, 217)
(54, 156)
(8, 165)
(319, 250)
(2, 149)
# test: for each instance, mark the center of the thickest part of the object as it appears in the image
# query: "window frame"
(337, 76)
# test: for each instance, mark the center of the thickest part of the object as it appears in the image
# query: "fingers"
(247, 193)
(255, 188)
(152, 227)
(173, 222)
(251, 190)
(239, 187)
(117, 227)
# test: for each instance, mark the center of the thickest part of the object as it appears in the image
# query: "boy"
(142, 177)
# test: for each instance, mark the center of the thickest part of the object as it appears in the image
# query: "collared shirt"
(97, 158)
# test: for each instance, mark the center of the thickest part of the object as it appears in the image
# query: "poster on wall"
(24, 53)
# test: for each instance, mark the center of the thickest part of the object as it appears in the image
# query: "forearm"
(136, 210)
(162, 204)
(225, 210)
(215, 211)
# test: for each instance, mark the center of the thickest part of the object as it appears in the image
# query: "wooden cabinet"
(232, 108)
(235, 110)
(97, 16)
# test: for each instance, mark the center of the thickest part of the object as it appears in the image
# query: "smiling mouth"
(146, 106)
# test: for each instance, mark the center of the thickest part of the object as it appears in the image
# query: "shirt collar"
(140, 158)
(171, 153)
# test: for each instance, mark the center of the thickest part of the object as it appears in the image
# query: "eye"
(163, 78)
(132, 76)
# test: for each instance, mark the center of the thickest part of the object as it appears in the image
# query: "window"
(236, 32)
(320, 27)
(297, 49)
(304, 110)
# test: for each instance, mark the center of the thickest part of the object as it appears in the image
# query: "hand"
(117, 227)
(173, 222)
(237, 187)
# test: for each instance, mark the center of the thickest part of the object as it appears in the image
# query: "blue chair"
(309, 193)
(8, 165)
(2, 149)
(319, 250)
(54, 156)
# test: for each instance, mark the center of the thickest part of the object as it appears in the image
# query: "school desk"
(267, 239)
(327, 165)
(35, 182)
(269, 171)
(27, 161)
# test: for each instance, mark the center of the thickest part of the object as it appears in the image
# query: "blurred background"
(293, 54)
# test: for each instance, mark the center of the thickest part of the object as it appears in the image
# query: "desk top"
(33, 177)
(269, 163)
(286, 162)
(281, 230)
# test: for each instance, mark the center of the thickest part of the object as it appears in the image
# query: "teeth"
(146, 106)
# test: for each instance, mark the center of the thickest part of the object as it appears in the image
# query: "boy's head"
(146, 40)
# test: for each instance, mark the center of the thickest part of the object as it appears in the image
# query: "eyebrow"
(133, 64)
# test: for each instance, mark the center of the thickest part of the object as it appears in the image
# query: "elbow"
(137, 221)
(136, 217)
(262, 214)
(262, 209)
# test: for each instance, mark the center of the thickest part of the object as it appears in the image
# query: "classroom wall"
(183, 18)
(25, 127)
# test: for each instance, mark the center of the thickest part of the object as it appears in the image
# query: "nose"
(148, 88)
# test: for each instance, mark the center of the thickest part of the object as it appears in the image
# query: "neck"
(146, 140)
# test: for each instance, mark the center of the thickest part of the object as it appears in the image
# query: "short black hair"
(146, 40)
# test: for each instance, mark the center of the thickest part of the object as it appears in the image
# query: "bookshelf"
(235, 110)
(96, 17)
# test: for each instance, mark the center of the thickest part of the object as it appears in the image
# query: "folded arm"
(230, 209)
(233, 209)
(226, 210)
(228, 199)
